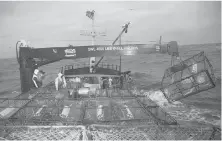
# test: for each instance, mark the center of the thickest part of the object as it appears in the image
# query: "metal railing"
(101, 65)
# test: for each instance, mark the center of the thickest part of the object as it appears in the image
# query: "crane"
(125, 29)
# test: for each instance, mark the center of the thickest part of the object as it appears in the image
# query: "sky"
(58, 24)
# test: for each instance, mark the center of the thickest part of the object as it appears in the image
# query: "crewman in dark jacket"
(37, 78)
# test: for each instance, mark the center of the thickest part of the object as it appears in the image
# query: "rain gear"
(60, 80)
(37, 78)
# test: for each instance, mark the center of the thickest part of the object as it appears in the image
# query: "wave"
(182, 112)
(4, 92)
(218, 80)
(138, 75)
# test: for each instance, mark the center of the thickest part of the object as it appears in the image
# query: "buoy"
(194, 68)
(100, 112)
(65, 112)
(200, 78)
(38, 113)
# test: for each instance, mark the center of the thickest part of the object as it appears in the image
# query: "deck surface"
(112, 110)
(106, 106)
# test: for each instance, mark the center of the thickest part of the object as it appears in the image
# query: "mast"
(92, 60)
(120, 59)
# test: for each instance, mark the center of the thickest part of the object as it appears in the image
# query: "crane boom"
(125, 28)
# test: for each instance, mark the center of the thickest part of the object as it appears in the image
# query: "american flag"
(90, 14)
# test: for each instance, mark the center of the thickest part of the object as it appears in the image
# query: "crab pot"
(187, 78)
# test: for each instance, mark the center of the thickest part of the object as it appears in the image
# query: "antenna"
(89, 33)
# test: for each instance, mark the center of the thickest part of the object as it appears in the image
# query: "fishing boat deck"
(116, 115)
(107, 106)
(110, 113)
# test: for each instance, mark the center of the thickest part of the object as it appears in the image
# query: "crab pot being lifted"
(187, 78)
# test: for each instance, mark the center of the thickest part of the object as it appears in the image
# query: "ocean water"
(147, 71)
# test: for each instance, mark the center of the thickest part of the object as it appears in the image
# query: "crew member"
(110, 82)
(121, 80)
(37, 78)
(105, 83)
(101, 83)
(60, 81)
(76, 83)
(129, 78)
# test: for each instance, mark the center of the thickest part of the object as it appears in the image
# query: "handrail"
(102, 65)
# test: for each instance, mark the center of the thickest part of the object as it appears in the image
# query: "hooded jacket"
(36, 78)
(60, 80)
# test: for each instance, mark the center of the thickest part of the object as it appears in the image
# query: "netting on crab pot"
(187, 78)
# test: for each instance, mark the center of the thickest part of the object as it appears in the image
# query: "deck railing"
(101, 65)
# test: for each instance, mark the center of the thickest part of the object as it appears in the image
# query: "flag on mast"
(90, 14)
